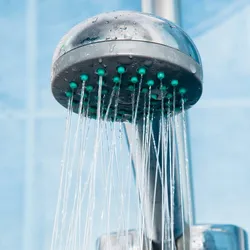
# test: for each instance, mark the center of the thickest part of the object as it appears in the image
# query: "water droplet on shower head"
(193, 68)
(95, 19)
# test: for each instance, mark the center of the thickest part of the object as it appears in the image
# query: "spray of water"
(96, 186)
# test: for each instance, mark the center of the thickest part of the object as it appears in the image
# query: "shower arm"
(151, 204)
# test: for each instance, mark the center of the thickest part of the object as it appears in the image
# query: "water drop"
(100, 60)
(111, 47)
(148, 63)
(123, 28)
(193, 68)
(95, 20)
(172, 26)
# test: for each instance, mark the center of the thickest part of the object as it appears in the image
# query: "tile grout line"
(31, 68)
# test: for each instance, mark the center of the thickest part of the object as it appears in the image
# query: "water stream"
(106, 189)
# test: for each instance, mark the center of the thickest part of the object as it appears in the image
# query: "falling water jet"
(64, 158)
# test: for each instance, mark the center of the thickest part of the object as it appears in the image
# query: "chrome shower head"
(133, 53)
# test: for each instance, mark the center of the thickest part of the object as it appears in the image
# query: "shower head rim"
(130, 50)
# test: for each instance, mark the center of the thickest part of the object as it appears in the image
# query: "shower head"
(129, 54)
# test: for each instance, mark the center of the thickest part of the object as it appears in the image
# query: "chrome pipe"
(203, 237)
(216, 237)
(147, 178)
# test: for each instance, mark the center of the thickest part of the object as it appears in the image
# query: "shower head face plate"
(166, 71)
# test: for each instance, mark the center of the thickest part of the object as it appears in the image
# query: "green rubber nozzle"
(169, 96)
(144, 90)
(121, 70)
(104, 91)
(174, 83)
(154, 96)
(142, 71)
(68, 94)
(131, 88)
(89, 88)
(72, 85)
(100, 72)
(160, 75)
(84, 77)
(182, 91)
(116, 79)
(163, 88)
(134, 79)
(150, 82)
